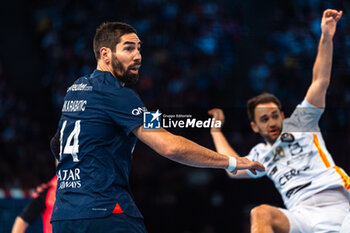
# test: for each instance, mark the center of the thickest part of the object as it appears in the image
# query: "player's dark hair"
(108, 35)
(261, 99)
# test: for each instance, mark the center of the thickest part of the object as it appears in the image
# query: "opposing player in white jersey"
(314, 190)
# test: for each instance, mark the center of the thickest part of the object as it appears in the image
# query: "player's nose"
(137, 57)
(272, 123)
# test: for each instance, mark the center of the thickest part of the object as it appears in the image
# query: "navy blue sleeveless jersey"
(96, 145)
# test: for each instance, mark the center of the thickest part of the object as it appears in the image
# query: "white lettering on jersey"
(138, 111)
(74, 105)
(68, 178)
(80, 87)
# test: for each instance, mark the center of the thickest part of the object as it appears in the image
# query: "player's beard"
(126, 76)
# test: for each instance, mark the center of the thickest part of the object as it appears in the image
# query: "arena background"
(197, 55)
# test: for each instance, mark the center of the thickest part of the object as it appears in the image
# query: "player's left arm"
(55, 146)
(316, 95)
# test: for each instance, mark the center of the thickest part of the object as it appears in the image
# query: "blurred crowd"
(197, 54)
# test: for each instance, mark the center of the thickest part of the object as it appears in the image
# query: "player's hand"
(329, 21)
(244, 163)
(218, 115)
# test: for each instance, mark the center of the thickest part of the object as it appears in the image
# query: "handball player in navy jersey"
(97, 132)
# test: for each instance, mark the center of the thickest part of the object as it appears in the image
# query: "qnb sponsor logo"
(68, 178)
(138, 111)
(74, 106)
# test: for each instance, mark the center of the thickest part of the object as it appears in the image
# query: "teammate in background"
(41, 204)
(314, 190)
(100, 123)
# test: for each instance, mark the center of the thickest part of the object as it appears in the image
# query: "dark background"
(196, 55)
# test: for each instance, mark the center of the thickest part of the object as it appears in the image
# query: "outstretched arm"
(221, 144)
(316, 95)
(184, 151)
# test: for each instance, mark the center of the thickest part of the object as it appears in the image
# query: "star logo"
(151, 120)
(156, 115)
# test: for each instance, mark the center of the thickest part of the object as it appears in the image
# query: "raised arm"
(316, 95)
(221, 144)
(184, 151)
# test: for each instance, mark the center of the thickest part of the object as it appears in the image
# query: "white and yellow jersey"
(298, 162)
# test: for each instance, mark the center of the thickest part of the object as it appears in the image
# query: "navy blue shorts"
(115, 223)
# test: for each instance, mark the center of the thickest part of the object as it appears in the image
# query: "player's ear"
(254, 127)
(282, 115)
(106, 55)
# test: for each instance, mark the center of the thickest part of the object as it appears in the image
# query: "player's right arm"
(321, 73)
(184, 151)
(221, 144)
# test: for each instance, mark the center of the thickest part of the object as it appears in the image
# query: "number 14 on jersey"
(69, 148)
